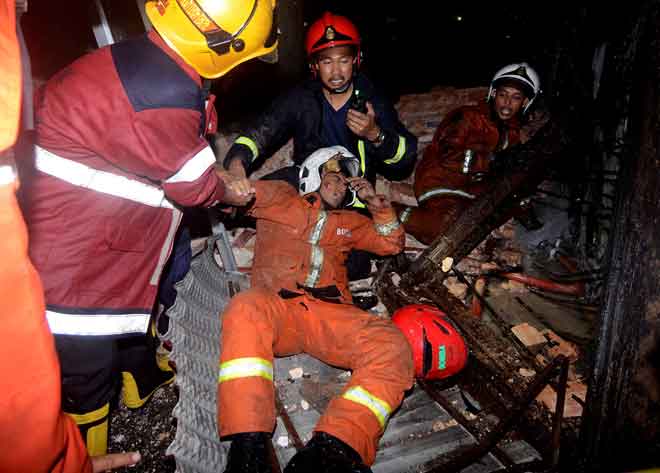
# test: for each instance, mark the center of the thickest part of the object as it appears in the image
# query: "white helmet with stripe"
(310, 169)
(521, 74)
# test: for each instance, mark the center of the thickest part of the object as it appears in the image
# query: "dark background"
(408, 46)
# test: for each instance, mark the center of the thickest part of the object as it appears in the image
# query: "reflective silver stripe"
(405, 215)
(387, 228)
(250, 143)
(194, 167)
(440, 191)
(245, 368)
(166, 249)
(316, 252)
(400, 151)
(316, 265)
(96, 324)
(7, 174)
(377, 406)
(100, 181)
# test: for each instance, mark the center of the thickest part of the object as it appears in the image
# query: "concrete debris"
(528, 335)
(458, 289)
(304, 404)
(527, 373)
(572, 408)
(440, 425)
(283, 441)
(559, 346)
(296, 373)
(447, 263)
(514, 287)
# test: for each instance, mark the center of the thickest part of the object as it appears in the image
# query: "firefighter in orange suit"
(299, 303)
(35, 434)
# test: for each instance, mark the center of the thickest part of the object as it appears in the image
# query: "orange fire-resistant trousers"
(259, 324)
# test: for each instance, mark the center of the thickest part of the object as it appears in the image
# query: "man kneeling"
(299, 303)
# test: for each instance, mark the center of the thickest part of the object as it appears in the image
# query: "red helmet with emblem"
(329, 31)
(439, 351)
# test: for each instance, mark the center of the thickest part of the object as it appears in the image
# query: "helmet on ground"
(521, 75)
(214, 36)
(439, 351)
(334, 159)
(330, 31)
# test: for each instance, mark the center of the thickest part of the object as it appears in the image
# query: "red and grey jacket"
(120, 147)
(444, 169)
(298, 114)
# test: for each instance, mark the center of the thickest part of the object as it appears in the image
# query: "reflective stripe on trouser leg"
(93, 426)
(379, 408)
(381, 360)
(246, 396)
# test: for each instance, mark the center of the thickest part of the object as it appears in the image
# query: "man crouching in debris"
(463, 155)
(299, 303)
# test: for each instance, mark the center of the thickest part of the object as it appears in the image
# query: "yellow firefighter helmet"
(214, 36)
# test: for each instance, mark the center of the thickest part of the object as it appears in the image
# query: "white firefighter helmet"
(310, 169)
(522, 74)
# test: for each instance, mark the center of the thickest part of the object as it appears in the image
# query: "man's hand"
(238, 190)
(236, 168)
(366, 193)
(363, 124)
(361, 187)
(114, 460)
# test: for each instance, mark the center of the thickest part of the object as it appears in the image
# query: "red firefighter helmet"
(439, 351)
(329, 31)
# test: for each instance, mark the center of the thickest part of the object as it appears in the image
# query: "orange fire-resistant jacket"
(299, 245)
(36, 436)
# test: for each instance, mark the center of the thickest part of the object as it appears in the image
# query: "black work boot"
(326, 454)
(249, 453)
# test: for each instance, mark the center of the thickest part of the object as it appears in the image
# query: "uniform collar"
(155, 38)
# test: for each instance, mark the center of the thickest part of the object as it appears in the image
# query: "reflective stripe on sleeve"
(245, 368)
(362, 153)
(400, 151)
(96, 324)
(316, 252)
(7, 174)
(250, 143)
(387, 228)
(377, 406)
(100, 181)
(443, 191)
(194, 167)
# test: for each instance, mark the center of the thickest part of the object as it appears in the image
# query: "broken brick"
(561, 347)
(528, 335)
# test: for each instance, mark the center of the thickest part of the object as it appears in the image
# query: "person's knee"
(392, 348)
(245, 308)
(403, 356)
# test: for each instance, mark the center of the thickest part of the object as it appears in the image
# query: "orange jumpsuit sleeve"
(383, 234)
(275, 201)
(36, 436)
(42, 438)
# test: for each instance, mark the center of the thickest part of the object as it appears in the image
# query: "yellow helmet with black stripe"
(214, 36)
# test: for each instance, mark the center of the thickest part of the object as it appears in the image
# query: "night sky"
(408, 47)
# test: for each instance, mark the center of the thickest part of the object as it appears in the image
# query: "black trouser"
(91, 368)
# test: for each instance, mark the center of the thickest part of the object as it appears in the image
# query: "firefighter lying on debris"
(299, 303)
(462, 157)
